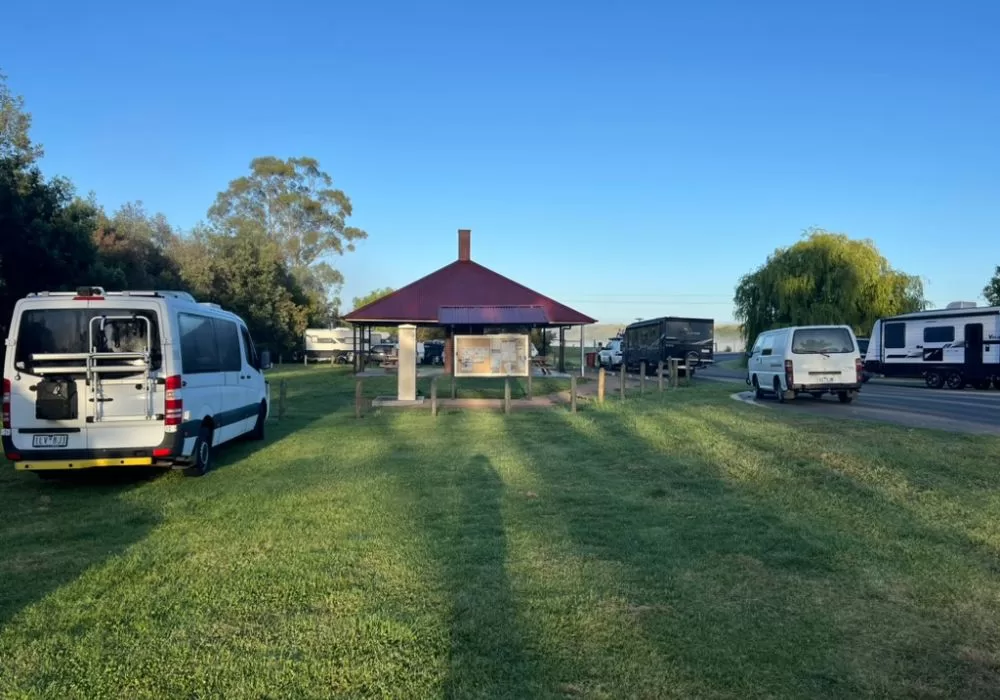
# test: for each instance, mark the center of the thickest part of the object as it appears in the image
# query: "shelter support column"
(562, 349)
(407, 372)
(449, 353)
(583, 355)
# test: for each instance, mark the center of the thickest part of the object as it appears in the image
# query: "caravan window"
(939, 334)
(895, 336)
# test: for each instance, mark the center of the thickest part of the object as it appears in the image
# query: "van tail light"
(173, 408)
(789, 374)
(6, 404)
(163, 452)
(859, 368)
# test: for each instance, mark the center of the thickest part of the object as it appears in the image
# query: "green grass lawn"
(677, 546)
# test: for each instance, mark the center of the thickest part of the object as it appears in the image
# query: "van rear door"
(46, 372)
(125, 397)
(824, 356)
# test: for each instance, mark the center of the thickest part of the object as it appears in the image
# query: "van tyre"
(778, 391)
(954, 380)
(202, 453)
(758, 393)
(845, 396)
(934, 380)
(257, 434)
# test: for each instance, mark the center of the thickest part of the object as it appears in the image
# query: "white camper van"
(127, 379)
(814, 360)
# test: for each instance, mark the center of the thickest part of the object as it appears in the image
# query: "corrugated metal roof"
(463, 283)
(492, 315)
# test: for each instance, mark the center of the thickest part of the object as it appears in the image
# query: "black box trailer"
(655, 340)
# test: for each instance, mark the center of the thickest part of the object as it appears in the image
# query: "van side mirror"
(264, 361)
(749, 353)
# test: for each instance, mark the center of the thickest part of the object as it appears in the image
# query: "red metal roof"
(492, 316)
(463, 283)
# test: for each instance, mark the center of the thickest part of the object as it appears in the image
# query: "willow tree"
(824, 278)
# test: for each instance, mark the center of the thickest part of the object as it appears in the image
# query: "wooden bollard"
(621, 388)
(572, 393)
(642, 378)
(531, 394)
(675, 372)
(506, 395)
(454, 387)
(601, 379)
(358, 395)
(434, 396)
(282, 393)
(659, 375)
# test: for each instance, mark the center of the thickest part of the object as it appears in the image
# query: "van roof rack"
(97, 291)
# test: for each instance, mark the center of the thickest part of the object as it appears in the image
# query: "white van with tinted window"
(814, 360)
(127, 379)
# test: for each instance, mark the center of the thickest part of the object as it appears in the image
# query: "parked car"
(814, 360)
(610, 356)
(381, 352)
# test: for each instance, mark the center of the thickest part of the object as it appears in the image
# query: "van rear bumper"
(855, 386)
(37, 460)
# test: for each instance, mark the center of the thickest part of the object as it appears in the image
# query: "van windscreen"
(822, 341)
(65, 331)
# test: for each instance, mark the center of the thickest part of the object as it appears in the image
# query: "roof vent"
(961, 305)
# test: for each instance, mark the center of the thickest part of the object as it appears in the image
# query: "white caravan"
(814, 360)
(948, 347)
(127, 379)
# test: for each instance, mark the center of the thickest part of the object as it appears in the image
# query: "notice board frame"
(486, 347)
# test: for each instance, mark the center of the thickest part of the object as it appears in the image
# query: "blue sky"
(631, 162)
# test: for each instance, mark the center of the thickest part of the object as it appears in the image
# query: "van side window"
(199, 351)
(757, 346)
(227, 337)
(895, 335)
(767, 347)
(249, 350)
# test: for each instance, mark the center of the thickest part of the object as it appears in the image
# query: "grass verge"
(674, 546)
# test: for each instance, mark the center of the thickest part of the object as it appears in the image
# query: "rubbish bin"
(591, 359)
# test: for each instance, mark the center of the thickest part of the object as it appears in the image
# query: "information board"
(492, 356)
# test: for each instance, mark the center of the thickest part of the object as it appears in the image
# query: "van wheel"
(257, 433)
(934, 380)
(954, 380)
(758, 393)
(845, 397)
(778, 392)
(202, 453)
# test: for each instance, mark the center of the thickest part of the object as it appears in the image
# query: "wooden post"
(688, 372)
(675, 372)
(659, 375)
(506, 395)
(282, 391)
(601, 379)
(572, 393)
(642, 378)
(531, 394)
(454, 389)
(434, 397)
(621, 388)
(358, 394)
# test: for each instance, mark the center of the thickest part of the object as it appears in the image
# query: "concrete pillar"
(407, 373)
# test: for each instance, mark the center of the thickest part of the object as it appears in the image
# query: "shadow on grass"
(52, 532)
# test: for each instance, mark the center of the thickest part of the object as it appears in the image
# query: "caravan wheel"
(955, 380)
(934, 380)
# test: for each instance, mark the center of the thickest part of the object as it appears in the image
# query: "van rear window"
(64, 331)
(822, 340)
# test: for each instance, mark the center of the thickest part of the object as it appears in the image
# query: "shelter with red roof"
(467, 298)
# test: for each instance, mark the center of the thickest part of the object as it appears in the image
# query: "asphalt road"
(913, 405)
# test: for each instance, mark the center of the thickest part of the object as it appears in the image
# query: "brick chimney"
(464, 244)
